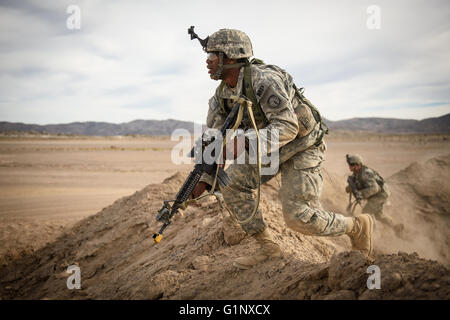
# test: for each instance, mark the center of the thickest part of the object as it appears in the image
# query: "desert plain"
(49, 183)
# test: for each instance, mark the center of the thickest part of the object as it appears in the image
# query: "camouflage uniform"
(372, 188)
(300, 175)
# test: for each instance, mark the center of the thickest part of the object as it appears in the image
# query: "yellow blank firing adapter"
(157, 238)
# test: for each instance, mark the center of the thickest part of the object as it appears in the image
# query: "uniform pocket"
(305, 216)
(306, 121)
(310, 158)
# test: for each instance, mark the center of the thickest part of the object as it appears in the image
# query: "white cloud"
(134, 60)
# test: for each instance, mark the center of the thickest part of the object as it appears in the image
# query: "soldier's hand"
(358, 195)
(348, 189)
(199, 189)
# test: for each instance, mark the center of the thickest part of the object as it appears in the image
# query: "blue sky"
(134, 60)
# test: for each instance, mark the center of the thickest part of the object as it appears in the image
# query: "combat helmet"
(234, 43)
(353, 159)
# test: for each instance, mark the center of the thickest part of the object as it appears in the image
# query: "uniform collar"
(227, 92)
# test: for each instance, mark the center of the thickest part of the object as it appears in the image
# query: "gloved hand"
(358, 195)
(348, 189)
(199, 189)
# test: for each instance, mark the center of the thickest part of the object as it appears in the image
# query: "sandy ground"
(70, 178)
(50, 182)
(62, 198)
(73, 178)
(54, 181)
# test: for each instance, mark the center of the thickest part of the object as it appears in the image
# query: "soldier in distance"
(372, 188)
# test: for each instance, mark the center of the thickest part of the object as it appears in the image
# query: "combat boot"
(268, 249)
(361, 234)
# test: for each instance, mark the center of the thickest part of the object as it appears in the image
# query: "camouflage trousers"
(374, 207)
(301, 186)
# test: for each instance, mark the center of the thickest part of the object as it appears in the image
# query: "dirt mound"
(349, 275)
(420, 199)
(117, 260)
(20, 237)
(428, 185)
(194, 261)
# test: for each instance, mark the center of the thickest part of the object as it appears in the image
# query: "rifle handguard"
(223, 178)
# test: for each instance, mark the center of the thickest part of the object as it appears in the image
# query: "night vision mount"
(203, 42)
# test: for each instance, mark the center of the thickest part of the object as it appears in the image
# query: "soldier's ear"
(229, 60)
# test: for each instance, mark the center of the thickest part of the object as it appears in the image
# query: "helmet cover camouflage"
(234, 43)
(354, 159)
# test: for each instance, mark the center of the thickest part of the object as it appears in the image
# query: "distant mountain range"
(137, 127)
(388, 125)
(166, 127)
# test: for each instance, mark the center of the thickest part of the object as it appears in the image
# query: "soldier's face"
(212, 63)
(354, 167)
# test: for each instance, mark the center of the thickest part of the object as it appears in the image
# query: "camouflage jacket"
(369, 183)
(273, 88)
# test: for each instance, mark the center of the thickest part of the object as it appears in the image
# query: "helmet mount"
(203, 42)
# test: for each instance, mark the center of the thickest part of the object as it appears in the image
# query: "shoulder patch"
(274, 101)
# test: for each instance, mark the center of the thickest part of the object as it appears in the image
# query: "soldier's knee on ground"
(242, 205)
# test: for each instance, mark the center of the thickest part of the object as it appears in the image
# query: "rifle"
(167, 211)
(352, 205)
